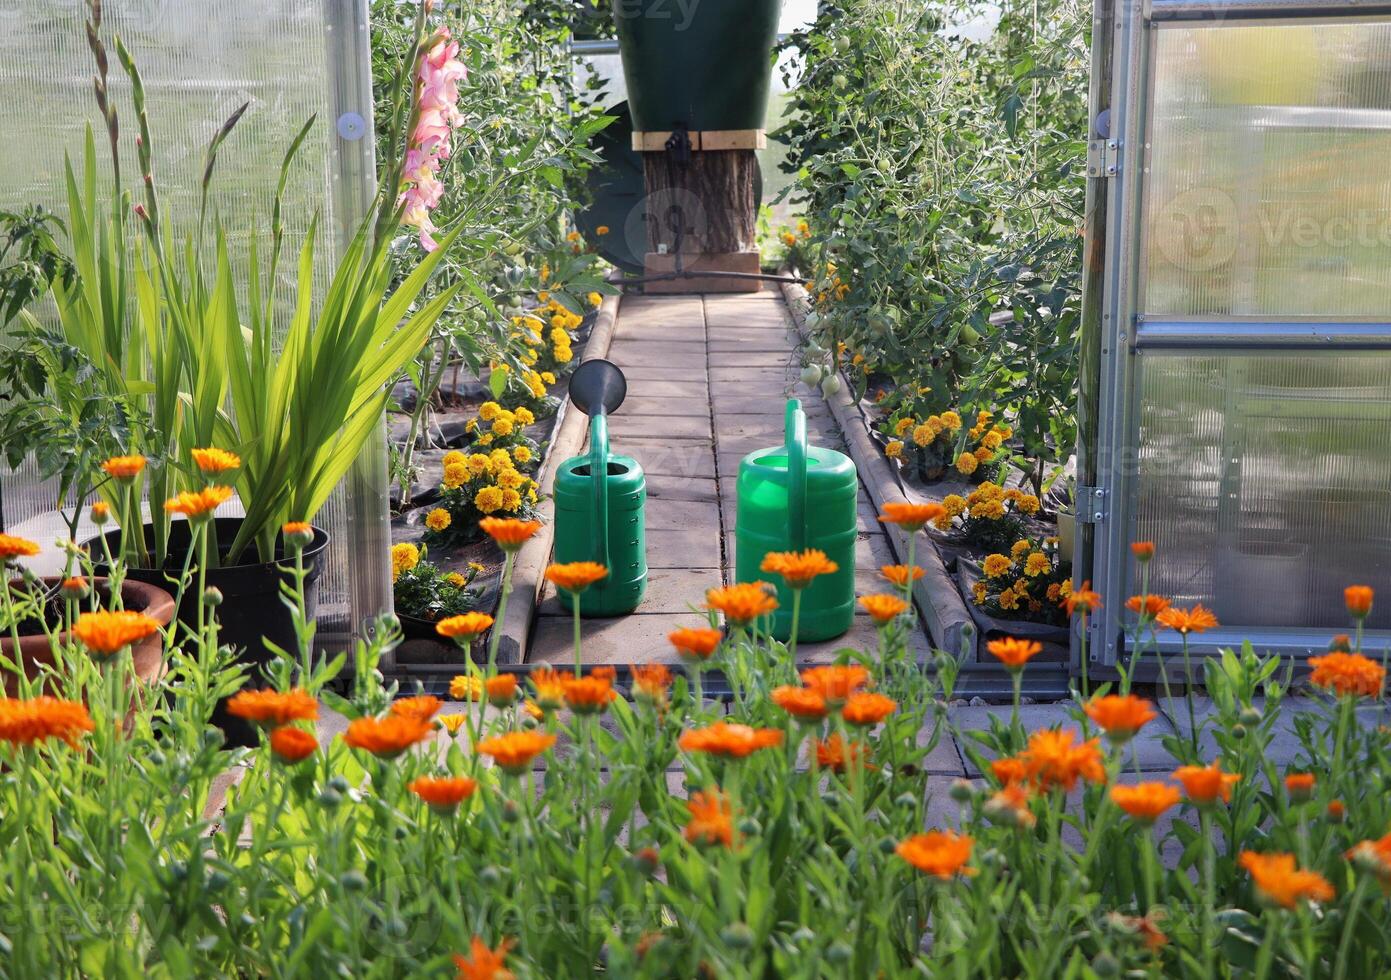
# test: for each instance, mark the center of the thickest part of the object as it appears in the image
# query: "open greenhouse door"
(1241, 380)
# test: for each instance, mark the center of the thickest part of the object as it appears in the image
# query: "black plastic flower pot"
(253, 612)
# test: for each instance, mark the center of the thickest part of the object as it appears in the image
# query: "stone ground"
(708, 379)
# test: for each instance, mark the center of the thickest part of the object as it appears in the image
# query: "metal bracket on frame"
(1103, 158)
(1091, 505)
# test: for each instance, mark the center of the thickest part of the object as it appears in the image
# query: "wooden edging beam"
(702, 140)
(530, 565)
(939, 601)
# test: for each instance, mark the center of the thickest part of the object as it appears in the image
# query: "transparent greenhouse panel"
(1265, 482)
(288, 59)
(1265, 166)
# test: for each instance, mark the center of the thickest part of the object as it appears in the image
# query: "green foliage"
(427, 591)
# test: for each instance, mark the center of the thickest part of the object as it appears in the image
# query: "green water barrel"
(794, 497)
(704, 64)
(599, 507)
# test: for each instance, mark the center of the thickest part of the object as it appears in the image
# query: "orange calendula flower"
(651, 682)
(1205, 785)
(1336, 811)
(514, 751)
(1146, 929)
(422, 707)
(106, 632)
(509, 533)
(589, 694)
(443, 794)
(1145, 802)
(214, 460)
(1009, 770)
(501, 689)
(576, 576)
(549, 687)
(124, 467)
(464, 627)
(1082, 600)
(836, 754)
(1374, 856)
(75, 588)
(1359, 600)
(466, 687)
(1054, 759)
(196, 505)
(388, 737)
(1186, 621)
(940, 853)
(452, 723)
(742, 603)
(730, 741)
(1147, 606)
(1120, 716)
(712, 819)
(297, 528)
(483, 963)
(864, 708)
(910, 517)
(25, 722)
(272, 709)
(100, 512)
(1348, 674)
(835, 682)
(1142, 550)
(695, 644)
(1014, 653)
(13, 547)
(292, 745)
(798, 568)
(883, 608)
(1281, 883)
(803, 703)
(1299, 785)
(900, 574)
(1011, 806)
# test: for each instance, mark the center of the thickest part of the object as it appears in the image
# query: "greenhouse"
(695, 488)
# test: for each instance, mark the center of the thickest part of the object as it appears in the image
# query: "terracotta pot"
(147, 655)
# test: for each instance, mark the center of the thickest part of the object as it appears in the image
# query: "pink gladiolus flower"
(439, 74)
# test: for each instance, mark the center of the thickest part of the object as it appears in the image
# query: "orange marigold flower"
(1299, 785)
(388, 737)
(1207, 784)
(695, 644)
(292, 745)
(1082, 600)
(514, 751)
(900, 574)
(1011, 806)
(443, 794)
(549, 687)
(802, 703)
(589, 694)
(1186, 621)
(1374, 856)
(743, 602)
(1144, 802)
(198, 504)
(501, 689)
(422, 707)
(1147, 606)
(835, 682)
(465, 626)
(1009, 770)
(1053, 758)
(509, 533)
(1359, 600)
(1014, 653)
(836, 754)
(798, 568)
(1120, 716)
(883, 609)
(651, 682)
(483, 963)
(13, 547)
(865, 708)
(26, 722)
(106, 631)
(731, 741)
(1348, 674)
(712, 819)
(576, 576)
(910, 517)
(1280, 882)
(124, 467)
(940, 853)
(1143, 550)
(214, 460)
(272, 709)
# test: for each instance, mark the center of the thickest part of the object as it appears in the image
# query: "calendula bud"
(212, 596)
(962, 791)
(1250, 716)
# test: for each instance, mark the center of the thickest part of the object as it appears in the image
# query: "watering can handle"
(796, 434)
(599, 475)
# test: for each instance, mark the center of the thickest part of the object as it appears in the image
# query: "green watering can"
(791, 498)
(599, 500)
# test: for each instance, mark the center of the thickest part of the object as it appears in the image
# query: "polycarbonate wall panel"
(200, 61)
(1264, 480)
(1266, 191)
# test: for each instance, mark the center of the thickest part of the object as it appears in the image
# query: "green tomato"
(830, 385)
(811, 375)
(842, 44)
(969, 335)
